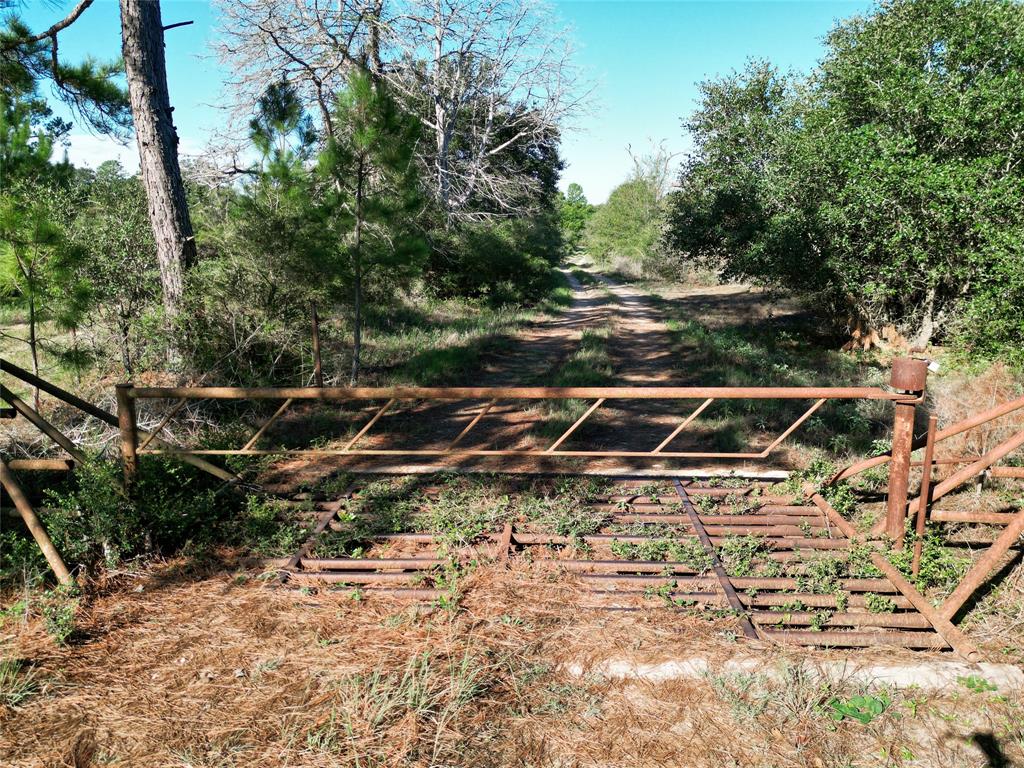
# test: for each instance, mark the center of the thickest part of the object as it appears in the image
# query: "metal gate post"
(909, 377)
(129, 433)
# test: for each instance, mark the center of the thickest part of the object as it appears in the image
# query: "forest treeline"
(377, 172)
(887, 186)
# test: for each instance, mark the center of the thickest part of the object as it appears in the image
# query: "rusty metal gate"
(791, 535)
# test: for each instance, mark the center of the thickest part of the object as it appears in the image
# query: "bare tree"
(142, 45)
(656, 166)
(310, 44)
(483, 76)
(493, 74)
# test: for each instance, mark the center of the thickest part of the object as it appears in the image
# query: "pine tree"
(38, 272)
(373, 194)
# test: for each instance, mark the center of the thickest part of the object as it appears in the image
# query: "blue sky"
(646, 59)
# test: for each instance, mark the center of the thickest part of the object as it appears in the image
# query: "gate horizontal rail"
(518, 393)
(489, 397)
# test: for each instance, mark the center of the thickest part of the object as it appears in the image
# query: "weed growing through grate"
(879, 603)
(740, 554)
(270, 528)
(688, 551)
(941, 568)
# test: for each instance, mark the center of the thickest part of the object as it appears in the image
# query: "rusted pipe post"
(924, 502)
(318, 370)
(35, 527)
(908, 376)
(126, 422)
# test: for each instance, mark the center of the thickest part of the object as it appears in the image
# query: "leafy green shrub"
(91, 521)
(628, 226)
(503, 263)
(59, 607)
(263, 528)
(941, 568)
(882, 183)
(20, 559)
(879, 603)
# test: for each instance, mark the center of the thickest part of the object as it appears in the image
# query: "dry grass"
(960, 396)
(218, 668)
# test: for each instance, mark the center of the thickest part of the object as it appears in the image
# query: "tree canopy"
(889, 182)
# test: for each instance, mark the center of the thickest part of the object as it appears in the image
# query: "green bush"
(884, 184)
(92, 522)
(504, 263)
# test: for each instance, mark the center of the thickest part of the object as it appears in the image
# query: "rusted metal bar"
(806, 618)
(908, 376)
(362, 577)
(505, 544)
(807, 414)
(995, 412)
(318, 368)
(267, 424)
(749, 628)
(961, 476)
(129, 433)
(983, 518)
(329, 512)
(368, 564)
(920, 640)
(369, 425)
(163, 423)
(925, 495)
(107, 418)
(684, 424)
(483, 412)
(775, 542)
(761, 522)
(42, 425)
(41, 465)
(1009, 472)
(653, 577)
(35, 527)
(576, 424)
(520, 393)
(446, 452)
(982, 568)
(812, 600)
(764, 599)
(953, 636)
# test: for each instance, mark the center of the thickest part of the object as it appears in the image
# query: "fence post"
(924, 499)
(129, 433)
(318, 369)
(908, 376)
(35, 527)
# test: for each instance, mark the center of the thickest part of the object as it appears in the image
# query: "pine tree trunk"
(357, 267)
(142, 45)
(33, 345)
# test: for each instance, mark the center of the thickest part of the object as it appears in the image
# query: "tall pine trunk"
(142, 45)
(357, 281)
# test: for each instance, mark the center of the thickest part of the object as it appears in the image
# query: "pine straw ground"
(212, 667)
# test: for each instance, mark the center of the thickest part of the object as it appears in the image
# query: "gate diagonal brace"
(749, 630)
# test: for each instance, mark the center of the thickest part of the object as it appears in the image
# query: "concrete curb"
(934, 675)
